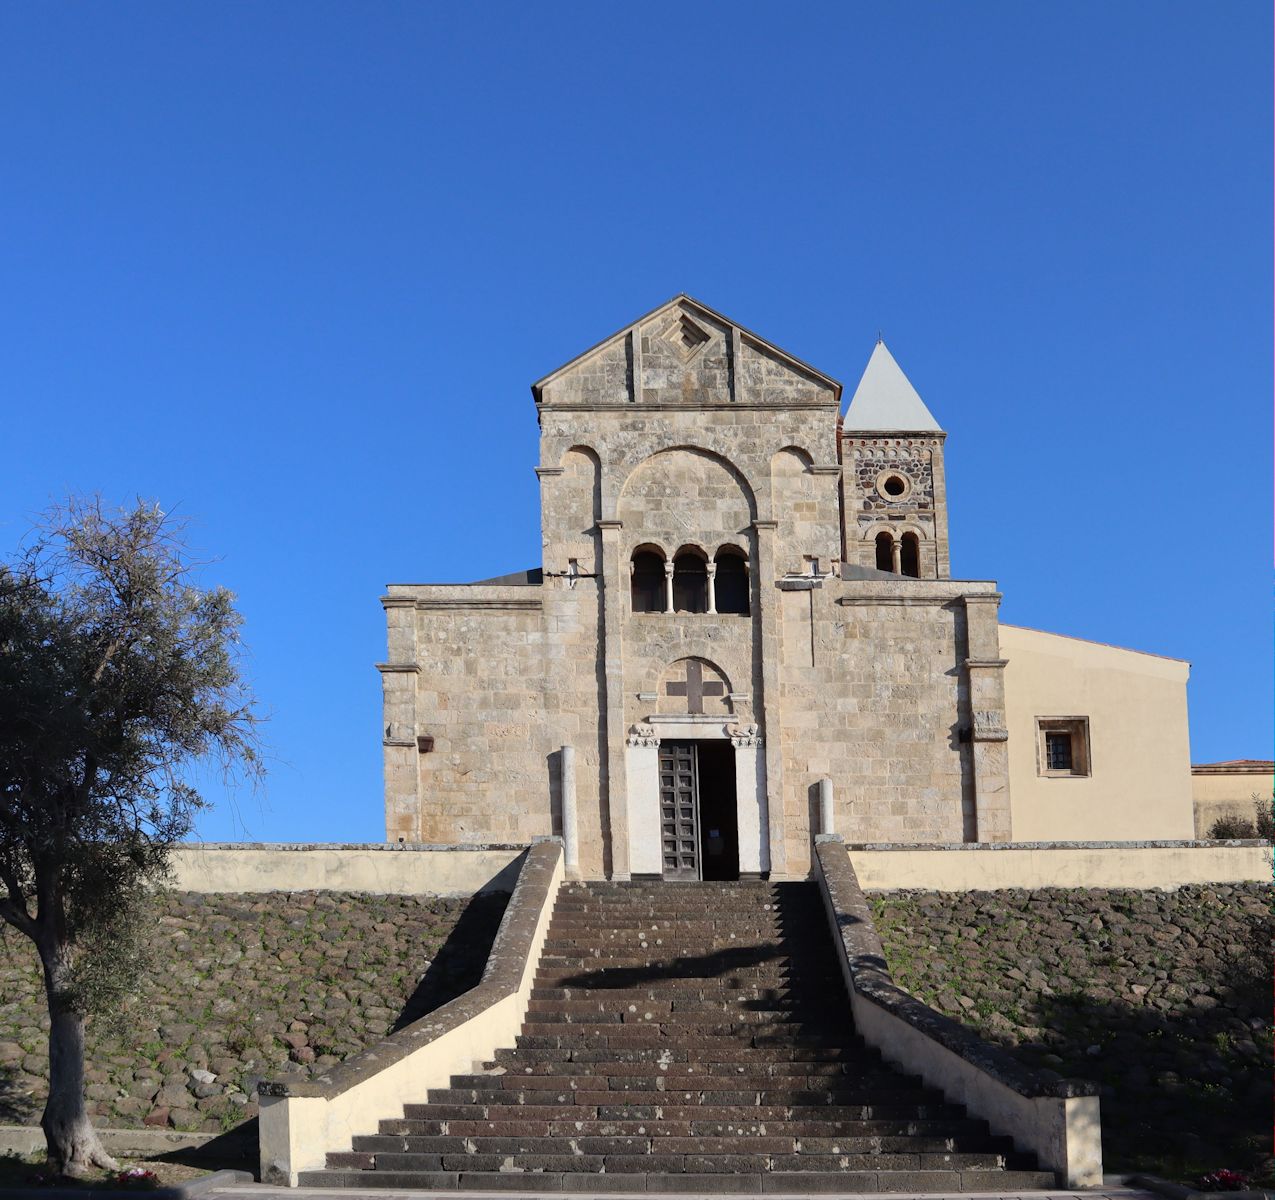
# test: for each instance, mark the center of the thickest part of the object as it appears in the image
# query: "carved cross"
(694, 688)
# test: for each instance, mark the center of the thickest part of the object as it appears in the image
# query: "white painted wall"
(965, 868)
(378, 868)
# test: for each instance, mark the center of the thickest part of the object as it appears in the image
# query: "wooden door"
(679, 810)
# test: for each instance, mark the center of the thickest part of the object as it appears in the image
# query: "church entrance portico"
(697, 800)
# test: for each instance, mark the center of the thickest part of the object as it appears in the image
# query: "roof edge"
(1071, 637)
(538, 386)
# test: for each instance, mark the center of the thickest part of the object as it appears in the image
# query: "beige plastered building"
(1235, 788)
(744, 632)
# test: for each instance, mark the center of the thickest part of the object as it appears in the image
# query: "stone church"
(745, 631)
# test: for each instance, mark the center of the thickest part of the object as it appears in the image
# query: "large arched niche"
(791, 491)
(573, 503)
(683, 495)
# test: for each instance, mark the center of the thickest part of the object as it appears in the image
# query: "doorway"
(699, 820)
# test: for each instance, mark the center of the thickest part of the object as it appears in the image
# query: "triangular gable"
(685, 352)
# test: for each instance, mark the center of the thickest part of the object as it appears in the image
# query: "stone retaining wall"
(1161, 997)
(247, 987)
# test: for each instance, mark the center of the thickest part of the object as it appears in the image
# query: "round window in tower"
(894, 485)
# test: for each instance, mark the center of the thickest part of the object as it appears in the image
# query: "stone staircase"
(685, 1037)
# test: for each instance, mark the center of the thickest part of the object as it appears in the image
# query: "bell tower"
(894, 494)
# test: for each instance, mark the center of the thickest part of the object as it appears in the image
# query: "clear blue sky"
(290, 267)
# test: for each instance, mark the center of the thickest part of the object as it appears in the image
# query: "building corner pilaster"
(400, 754)
(614, 587)
(985, 720)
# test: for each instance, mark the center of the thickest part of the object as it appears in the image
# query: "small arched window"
(885, 551)
(690, 582)
(910, 555)
(730, 583)
(647, 581)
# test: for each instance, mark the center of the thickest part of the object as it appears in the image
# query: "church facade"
(744, 632)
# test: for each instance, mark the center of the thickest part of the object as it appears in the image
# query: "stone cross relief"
(694, 687)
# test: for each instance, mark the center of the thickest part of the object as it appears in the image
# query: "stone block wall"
(873, 696)
(918, 458)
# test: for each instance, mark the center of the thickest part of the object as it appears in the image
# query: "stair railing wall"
(301, 1121)
(1056, 1119)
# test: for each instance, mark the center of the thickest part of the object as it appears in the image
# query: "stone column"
(896, 556)
(711, 568)
(668, 587)
(827, 818)
(989, 737)
(616, 818)
(570, 833)
(766, 705)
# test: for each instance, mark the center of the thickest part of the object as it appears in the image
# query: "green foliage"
(1262, 825)
(117, 674)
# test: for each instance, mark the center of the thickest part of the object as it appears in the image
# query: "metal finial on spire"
(880, 339)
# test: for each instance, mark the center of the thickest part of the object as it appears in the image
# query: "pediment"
(686, 354)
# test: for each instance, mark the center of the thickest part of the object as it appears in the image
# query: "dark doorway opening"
(699, 820)
(718, 813)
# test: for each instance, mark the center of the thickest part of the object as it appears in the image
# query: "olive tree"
(118, 675)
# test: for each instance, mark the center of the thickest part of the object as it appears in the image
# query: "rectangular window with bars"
(1062, 747)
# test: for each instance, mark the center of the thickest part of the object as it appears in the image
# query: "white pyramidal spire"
(885, 401)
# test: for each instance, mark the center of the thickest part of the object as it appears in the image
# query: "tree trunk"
(73, 1145)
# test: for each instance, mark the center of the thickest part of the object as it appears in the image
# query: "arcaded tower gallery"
(745, 627)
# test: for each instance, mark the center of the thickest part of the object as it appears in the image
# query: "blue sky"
(290, 268)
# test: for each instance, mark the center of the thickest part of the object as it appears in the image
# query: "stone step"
(771, 1183)
(732, 1094)
(649, 925)
(669, 1081)
(685, 1038)
(965, 1130)
(726, 1053)
(570, 1037)
(659, 1141)
(707, 991)
(681, 999)
(791, 970)
(677, 1070)
(700, 1015)
(635, 1156)
(669, 1108)
(690, 1033)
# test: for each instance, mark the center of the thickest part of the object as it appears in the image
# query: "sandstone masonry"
(733, 572)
